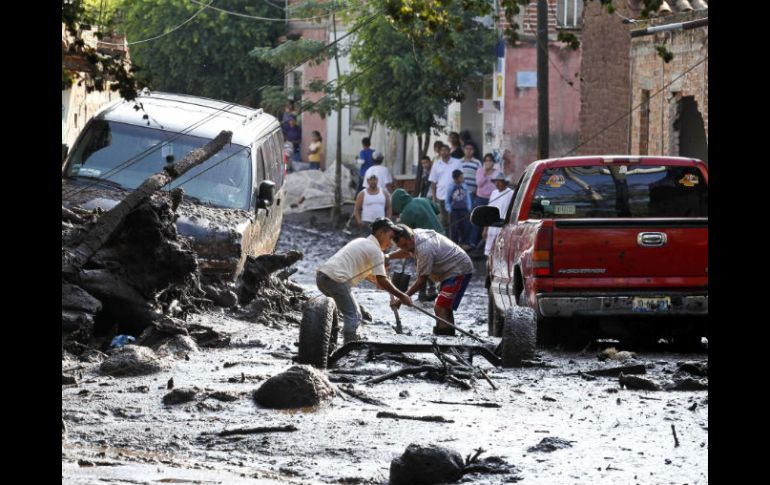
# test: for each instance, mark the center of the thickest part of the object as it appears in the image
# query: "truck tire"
(519, 336)
(494, 319)
(318, 332)
(546, 327)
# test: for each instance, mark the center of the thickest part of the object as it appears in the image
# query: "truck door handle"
(651, 239)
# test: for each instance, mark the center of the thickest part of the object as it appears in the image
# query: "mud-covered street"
(550, 422)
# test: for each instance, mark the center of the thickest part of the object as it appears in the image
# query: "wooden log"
(75, 258)
(403, 372)
(259, 430)
(432, 419)
(480, 404)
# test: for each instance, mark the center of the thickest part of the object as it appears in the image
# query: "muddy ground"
(118, 429)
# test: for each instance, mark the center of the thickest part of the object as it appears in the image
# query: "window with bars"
(569, 13)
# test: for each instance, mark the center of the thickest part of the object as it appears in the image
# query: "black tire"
(494, 319)
(547, 335)
(318, 332)
(519, 336)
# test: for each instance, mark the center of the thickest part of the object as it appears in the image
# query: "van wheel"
(494, 319)
(519, 335)
(318, 332)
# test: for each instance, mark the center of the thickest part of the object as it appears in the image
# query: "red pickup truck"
(599, 238)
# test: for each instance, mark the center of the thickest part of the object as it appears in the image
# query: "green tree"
(406, 85)
(209, 55)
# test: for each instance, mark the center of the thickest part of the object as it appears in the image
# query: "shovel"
(400, 281)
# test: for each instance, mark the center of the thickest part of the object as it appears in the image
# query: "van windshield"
(620, 191)
(128, 154)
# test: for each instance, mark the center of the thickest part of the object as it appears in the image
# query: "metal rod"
(450, 324)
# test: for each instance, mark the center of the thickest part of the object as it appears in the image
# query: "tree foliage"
(406, 85)
(209, 56)
(85, 64)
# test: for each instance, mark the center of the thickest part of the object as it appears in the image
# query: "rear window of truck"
(620, 191)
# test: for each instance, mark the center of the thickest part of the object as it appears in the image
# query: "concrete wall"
(650, 73)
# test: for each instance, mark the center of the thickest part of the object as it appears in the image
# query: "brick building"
(673, 97)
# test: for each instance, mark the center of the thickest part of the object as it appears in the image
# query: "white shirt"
(382, 173)
(501, 200)
(441, 175)
(355, 261)
(373, 205)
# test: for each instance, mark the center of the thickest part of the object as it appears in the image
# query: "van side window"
(278, 147)
(260, 167)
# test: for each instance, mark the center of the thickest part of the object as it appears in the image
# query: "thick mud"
(120, 430)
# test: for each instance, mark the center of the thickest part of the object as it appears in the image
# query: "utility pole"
(542, 79)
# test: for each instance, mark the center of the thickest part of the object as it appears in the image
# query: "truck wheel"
(546, 327)
(318, 332)
(519, 335)
(494, 319)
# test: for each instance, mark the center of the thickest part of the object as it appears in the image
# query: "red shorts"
(452, 291)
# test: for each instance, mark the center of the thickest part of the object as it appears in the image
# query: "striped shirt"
(469, 172)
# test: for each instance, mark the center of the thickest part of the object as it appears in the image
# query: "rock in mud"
(688, 384)
(549, 444)
(635, 383)
(699, 369)
(300, 386)
(68, 380)
(208, 337)
(76, 298)
(133, 360)
(429, 464)
(178, 344)
(223, 396)
(180, 395)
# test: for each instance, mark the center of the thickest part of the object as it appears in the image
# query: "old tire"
(519, 336)
(318, 332)
(494, 318)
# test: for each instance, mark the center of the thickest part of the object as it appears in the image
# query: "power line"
(166, 33)
(255, 17)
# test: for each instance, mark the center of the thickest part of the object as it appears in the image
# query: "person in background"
(366, 155)
(455, 148)
(384, 180)
(441, 178)
(470, 167)
(425, 180)
(437, 150)
(465, 138)
(500, 198)
(371, 203)
(293, 133)
(458, 205)
(484, 185)
(315, 151)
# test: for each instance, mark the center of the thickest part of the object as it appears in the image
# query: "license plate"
(660, 304)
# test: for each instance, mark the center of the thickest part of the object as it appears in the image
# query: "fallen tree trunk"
(75, 258)
(432, 419)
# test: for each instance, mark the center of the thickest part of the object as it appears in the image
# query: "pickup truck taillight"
(541, 256)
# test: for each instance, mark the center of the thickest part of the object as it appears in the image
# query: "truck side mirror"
(486, 216)
(266, 196)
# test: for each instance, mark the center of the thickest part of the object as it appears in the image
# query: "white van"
(233, 202)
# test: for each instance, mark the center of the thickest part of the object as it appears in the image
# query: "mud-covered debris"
(491, 465)
(133, 360)
(180, 395)
(698, 369)
(426, 464)
(170, 383)
(67, 380)
(549, 444)
(257, 272)
(299, 386)
(688, 384)
(178, 344)
(223, 396)
(208, 337)
(430, 419)
(222, 296)
(613, 354)
(635, 383)
(77, 299)
(549, 398)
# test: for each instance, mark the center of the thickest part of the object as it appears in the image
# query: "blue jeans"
(460, 226)
(477, 230)
(343, 296)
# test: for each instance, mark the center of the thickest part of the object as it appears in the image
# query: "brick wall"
(604, 80)
(649, 72)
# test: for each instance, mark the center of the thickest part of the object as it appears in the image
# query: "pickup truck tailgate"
(629, 248)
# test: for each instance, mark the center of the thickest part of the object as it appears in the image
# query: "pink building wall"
(311, 72)
(520, 105)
